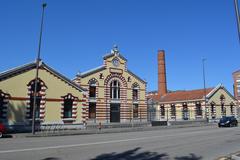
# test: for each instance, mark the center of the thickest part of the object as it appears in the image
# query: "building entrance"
(115, 112)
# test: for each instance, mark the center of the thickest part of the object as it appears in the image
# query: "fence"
(158, 115)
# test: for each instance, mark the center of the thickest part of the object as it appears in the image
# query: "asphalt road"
(195, 143)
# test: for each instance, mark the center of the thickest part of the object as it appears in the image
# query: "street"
(194, 143)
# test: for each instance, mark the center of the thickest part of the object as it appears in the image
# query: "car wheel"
(1, 135)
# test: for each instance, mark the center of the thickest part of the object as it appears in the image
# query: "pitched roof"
(220, 86)
(182, 95)
(134, 75)
(21, 69)
(112, 55)
(235, 72)
(91, 71)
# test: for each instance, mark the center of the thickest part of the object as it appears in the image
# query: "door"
(115, 112)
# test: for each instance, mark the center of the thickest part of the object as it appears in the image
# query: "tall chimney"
(162, 83)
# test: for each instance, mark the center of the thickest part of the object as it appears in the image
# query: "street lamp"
(204, 85)
(237, 16)
(37, 71)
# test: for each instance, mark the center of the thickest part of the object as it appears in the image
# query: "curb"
(104, 131)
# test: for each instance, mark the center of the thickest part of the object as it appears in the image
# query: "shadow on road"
(190, 157)
(135, 154)
(51, 158)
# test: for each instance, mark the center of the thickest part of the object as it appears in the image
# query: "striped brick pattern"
(124, 109)
(85, 109)
(41, 93)
(173, 111)
(213, 109)
(95, 83)
(3, 108)
(232, 109)
(195, 110)
(74, 106)
(185, 110)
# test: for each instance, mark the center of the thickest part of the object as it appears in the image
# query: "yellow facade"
(57, 86)
(216, 107)
(103, 75)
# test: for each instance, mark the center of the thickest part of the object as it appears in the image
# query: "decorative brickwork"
(69, 96)
(40, 93)
(213, 109)
(85, 109)
(4, 104)
(92, 82)
(198, 111)
(124, 109)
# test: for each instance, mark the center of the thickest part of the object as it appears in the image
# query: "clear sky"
(77, 33)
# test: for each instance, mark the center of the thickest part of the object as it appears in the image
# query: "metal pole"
(37, 70)
(237, 16)
(167, 115)
(132, 115)
(204, 84)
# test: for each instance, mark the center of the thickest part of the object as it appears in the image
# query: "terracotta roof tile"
(181, 95)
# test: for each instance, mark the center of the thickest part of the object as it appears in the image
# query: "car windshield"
(224, 119)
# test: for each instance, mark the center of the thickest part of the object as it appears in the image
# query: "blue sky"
(78, 33)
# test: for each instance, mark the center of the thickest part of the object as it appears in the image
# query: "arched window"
(232, 108)
(162, 109)
(223, 110)
(173, 110)
(213, 108)
(198, 109)
(185, 112)
(135, 93)
(38, 98)
(92, 88)
(68, 106)
(3, 104)
(115, 89)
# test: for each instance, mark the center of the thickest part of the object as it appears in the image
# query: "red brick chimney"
(162, 83)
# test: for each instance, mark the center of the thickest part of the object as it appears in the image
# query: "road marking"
(93, 143)
(76, 145)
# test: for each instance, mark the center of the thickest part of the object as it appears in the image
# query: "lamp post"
(237, 16)
(204, 85)
(132, 116)
(37, 71)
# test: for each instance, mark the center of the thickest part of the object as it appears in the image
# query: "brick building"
(115, 93)
(188, 104)
(59, 100)
(236, 85)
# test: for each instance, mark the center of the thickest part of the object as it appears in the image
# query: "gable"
(22, 72)
(18, 85)
(215, 97)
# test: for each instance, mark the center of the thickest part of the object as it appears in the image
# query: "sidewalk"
(104, 131)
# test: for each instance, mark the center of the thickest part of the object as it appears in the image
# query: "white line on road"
(76, 145)
(93, 143)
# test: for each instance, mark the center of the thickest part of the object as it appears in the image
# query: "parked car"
(228, 122)
(2, 130)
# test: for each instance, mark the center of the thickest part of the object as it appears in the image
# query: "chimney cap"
(161, 51)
